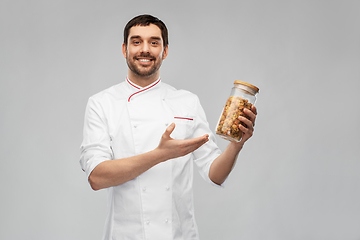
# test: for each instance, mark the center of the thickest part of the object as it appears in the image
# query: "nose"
(145, 47)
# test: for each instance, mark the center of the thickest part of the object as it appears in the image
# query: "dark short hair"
(146, 20)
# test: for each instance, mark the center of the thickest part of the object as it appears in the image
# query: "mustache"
(144, 55)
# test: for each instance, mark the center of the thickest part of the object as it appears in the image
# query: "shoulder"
(182, 102)
(113, 93)
(182, 95)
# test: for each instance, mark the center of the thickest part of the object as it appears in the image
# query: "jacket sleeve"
(206, 154)
(95, 147)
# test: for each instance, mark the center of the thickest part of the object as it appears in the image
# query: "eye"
(154, 43)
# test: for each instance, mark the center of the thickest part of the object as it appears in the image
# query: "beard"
(144, 71)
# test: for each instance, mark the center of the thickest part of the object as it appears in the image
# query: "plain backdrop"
(297, 178)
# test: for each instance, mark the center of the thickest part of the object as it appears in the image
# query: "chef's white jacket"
(127, 120)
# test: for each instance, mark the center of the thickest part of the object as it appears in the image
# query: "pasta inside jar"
(228, 126)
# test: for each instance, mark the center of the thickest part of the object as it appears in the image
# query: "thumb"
(169, 129)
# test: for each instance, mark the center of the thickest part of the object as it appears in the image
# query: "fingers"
(177, 148)
(253, 109)
(169, 130)
(249, 122)
(190, 145)
(194, 141)
(251, 115)
(198, 141)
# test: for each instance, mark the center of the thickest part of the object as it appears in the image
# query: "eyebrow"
(138, 36)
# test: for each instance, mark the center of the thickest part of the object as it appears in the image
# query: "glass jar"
(243, 95)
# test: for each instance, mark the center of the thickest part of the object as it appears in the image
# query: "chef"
(141, 139)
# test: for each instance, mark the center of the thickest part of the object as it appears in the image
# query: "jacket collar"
(133, 87)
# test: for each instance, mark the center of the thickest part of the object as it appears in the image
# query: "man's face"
(145, 50)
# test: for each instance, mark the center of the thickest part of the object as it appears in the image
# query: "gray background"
(297, 178)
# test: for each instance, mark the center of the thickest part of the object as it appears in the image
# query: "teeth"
(144, 60)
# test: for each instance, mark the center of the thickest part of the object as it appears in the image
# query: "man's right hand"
(115, 172)
(172, 148)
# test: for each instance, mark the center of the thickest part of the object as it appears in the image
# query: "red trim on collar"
(144, 89)
(127, 79)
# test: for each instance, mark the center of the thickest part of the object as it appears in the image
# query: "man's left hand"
(249, 122)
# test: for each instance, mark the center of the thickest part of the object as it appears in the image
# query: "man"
(141, 138)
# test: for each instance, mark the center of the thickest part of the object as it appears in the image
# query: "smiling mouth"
(144, 60)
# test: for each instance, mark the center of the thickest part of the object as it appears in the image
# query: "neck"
(142, 81)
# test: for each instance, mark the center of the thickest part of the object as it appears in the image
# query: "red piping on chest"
(142, 90)
(190, 119)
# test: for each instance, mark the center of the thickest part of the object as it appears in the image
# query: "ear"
(124, 50)
(166, 50)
